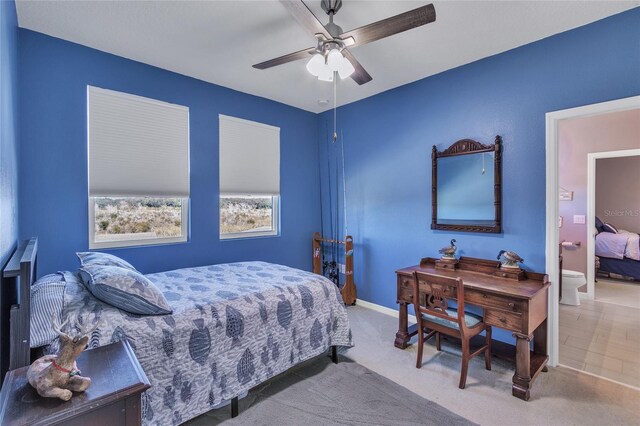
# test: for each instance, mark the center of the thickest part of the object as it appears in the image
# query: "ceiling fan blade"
(306, 18)
(390, 26)
(301, 54)
(360, 75)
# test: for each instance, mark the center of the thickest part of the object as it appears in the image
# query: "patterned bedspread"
(233, 326)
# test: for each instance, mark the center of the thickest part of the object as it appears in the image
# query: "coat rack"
(320, 267)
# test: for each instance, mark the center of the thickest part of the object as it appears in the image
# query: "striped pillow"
(607, 227)
(125, 289)
(47, 298)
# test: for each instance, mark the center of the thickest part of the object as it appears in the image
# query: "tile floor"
(602, 336)
(620, 292)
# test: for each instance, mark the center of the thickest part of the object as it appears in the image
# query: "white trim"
(552, 233)
(383, 309)
(591, 210)
(184, 229)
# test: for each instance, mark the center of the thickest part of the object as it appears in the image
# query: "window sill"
(136, 243)
(248, 236)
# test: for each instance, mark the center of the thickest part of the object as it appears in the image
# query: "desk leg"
(540, 341)
(402, 336)
(522, 377)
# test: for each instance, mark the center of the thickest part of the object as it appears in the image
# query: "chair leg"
(465, 363)
(487, 352)
(438, 347)
(420, 348)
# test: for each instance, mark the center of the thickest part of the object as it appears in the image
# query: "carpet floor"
(319, 392)
(561, 396)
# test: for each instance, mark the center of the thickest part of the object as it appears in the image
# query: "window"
(119, 220)
(249, 178)
(138, 168)
(244, 216)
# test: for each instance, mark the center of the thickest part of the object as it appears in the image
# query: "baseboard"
(383, 309)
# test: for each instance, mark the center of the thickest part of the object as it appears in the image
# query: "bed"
(618, 252)
(233, 326)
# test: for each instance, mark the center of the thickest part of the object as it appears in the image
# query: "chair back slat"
(439, 291)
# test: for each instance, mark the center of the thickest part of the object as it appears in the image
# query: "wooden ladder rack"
(348, 290)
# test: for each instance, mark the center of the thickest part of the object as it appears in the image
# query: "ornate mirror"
(466, 187)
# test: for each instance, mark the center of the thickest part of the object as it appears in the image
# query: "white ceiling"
(218, 41)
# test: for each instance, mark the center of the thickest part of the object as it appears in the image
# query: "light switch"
(579, 219)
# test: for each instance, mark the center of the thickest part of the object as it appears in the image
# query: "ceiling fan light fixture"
(334, 59)
(346, 68)
(316, 65)
(326, 74)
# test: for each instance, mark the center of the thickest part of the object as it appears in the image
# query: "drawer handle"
(512, 305)
(503, 320)
(484, 296)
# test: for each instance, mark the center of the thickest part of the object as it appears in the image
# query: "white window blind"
(249, 157)
(137, 146)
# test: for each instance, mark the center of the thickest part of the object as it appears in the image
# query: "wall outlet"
(342, 268)
(579, 219)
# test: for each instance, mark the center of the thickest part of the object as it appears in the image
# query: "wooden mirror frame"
(463, 147)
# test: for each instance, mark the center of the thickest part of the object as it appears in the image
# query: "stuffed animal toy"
(57, 376)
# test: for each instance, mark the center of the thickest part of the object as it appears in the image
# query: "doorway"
(609, 202)
(552, 246)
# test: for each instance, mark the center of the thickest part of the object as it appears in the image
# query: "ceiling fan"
(330, 55)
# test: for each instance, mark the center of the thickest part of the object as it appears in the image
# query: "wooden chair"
(435, 316)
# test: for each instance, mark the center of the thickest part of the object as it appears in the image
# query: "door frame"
(591, 210)
(552, 251)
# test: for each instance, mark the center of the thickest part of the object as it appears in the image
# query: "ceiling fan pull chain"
(335, 102)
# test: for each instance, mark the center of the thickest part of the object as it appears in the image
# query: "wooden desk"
(518, 306)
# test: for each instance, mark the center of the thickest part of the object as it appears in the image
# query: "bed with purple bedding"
(619, 253)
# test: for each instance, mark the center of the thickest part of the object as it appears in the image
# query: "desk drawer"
(405, 289)
(503, 319)
(483, 299)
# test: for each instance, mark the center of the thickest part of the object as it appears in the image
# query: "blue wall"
(387, 142)
(388, 139)
(8, 129)
(53, 158)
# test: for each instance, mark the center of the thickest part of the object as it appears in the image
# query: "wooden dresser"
(519, 306)
(114, 397)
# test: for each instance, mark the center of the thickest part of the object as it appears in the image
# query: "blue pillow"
(607, 227)
(106, 259)
(125, 289)
(599, 224)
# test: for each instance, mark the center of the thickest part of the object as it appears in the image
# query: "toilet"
(571, 280)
